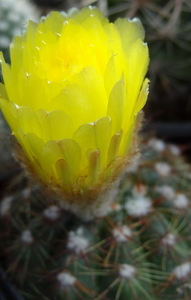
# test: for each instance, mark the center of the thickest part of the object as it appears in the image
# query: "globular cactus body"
(140, 250)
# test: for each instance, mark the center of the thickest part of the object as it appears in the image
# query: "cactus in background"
(140, 250)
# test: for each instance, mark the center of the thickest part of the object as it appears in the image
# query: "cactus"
(140, 250)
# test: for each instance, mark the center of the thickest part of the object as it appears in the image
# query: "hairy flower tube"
(72, 97)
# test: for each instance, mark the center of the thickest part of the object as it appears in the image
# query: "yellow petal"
(15, 52)
(9, 110)
(54, 23)
(28, 120)
(55, 125)
(142, 96)
(102, 129)
(72, 154)
(137, 66)
(64, 175)
(87, 13)
(33, 147)
(110, 75)
(94, 166)
(116, 106)
(10, 81)
(85, 137)
(3, 92)
(114, 146)
(74, 99)
(130, 31)
(93, 83)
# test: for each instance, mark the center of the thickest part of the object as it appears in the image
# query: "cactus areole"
(72, 97)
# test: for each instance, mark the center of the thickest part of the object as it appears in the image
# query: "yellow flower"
(71, 97)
